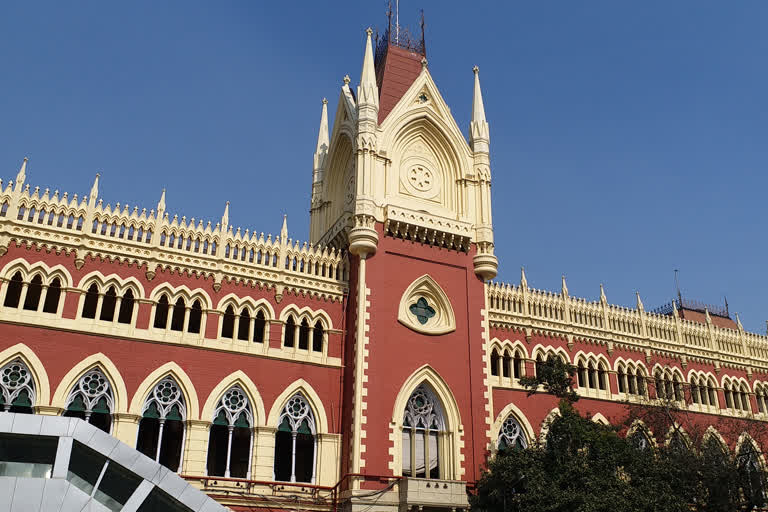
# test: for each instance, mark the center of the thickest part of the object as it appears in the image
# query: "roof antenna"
(397, 21)
(677, 286)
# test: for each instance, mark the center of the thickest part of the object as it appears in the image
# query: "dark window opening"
(126, 308)
(317, 337)
(91, 302)
(108, 304)
(494, 363)
(304, 335)
(195, 318)
(228, 323)
(290, 332)
(259, 326)
(177, 320)
(506, 365)
(244, 325)
(161, 313)
(13, 293)
(34, 290)
(218, 441)
(51, 304)
(518, 366)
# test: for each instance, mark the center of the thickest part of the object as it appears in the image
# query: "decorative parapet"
(572, 317)
(429, 229)
(87, 227)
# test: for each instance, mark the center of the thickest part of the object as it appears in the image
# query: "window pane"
(27, 456)
(160, 501)
(116, 486)
(85, 466)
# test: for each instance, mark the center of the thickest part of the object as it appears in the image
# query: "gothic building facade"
(376, 364)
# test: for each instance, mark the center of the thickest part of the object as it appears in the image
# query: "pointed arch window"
(161, 312)
(304, 335)
(511, 436)
(125, 315)
(177, 320)
(91, 302)
(295, 442)
(17, 388)
(244, 325)
(52, 296)
(751, 476)
(108, 304)
(13, 292)
(495, 362)
(640, 439)
(161, 429)
(318, 337)
(195, 317)
(91, 400)
(230, 444)
(518, 364)
(34, 290)
(290, 332)
(259, 327)
(423, 424)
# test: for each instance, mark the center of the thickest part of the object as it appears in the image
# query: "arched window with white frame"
(161, 429)
(17, 388)
(91, 400)
(230, 443)
(296, 442)
(511, 436)
(423, 426)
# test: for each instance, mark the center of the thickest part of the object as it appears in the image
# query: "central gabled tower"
(397, 158)
(398, 185)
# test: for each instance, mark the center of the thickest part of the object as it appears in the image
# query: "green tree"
(587, 467)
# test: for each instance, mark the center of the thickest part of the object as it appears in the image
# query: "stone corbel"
(79, 259)
(279, 289)
(570, 343)
(609, 348)
(647, 356)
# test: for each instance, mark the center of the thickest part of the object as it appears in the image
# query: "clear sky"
(628, 139)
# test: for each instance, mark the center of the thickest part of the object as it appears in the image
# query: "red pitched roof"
(699, 317)
(396, 70)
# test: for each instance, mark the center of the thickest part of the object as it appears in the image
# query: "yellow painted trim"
(241, 379)
(185, 383)
(315, 403)
(68, 382)
(42, 384)
(513, 410)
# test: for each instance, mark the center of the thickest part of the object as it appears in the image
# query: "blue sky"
(628, 139)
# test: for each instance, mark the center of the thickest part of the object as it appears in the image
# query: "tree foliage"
(587, 467)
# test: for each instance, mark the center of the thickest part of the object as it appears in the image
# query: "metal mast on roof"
(397, 21)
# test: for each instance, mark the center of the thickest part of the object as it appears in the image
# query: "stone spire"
(322, 135)
(479, 137)
(225, 219)
(368, 91)
(603, 298)
(523, 280)
(161, 205)
(94, 191)
(21, 176)
(640, 306)
(284, 229)
(564, 287)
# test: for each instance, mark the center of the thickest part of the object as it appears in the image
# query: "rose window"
(421, 178)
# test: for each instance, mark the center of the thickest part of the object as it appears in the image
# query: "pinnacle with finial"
(603, 299)
(21, 175)
(523, 280)
(738, 322)
(639, 302)
(478, 108)
(564, 287)
(346, 79)
(368, 91)
(161, 203)
(225, 218)
(284, 229)
(322, 135)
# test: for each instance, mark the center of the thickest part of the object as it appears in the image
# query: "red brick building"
(375, 364)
